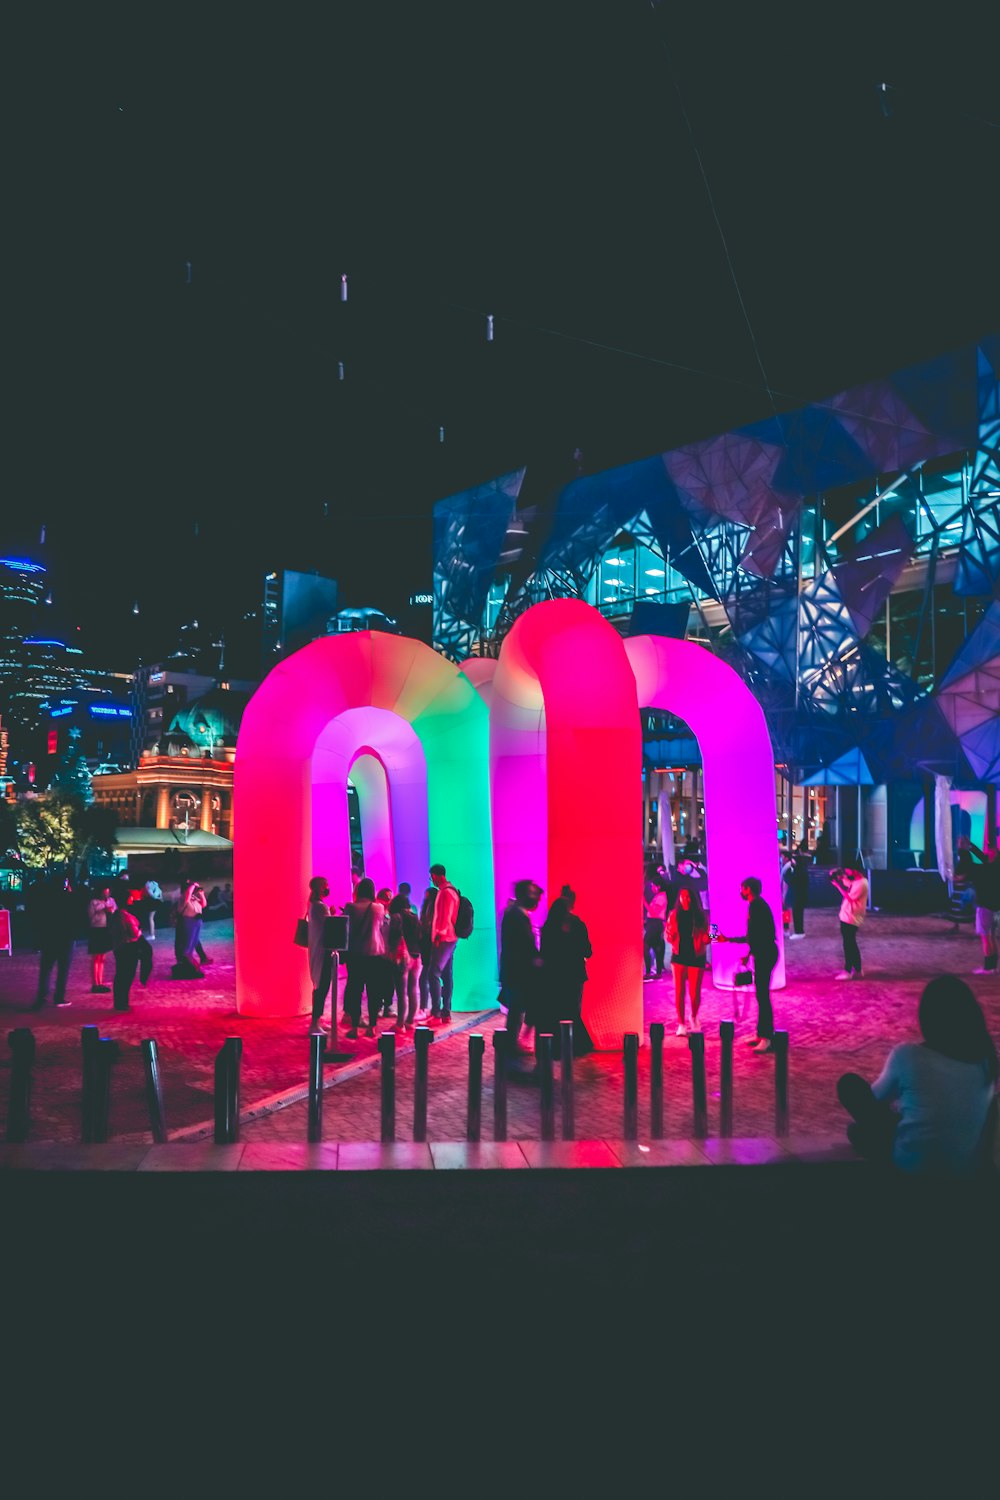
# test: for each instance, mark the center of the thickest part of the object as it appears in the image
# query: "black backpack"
(464, 917)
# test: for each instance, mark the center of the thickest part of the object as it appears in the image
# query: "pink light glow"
(740, 809)
(565, 753)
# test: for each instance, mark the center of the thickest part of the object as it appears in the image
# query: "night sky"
(560, 166)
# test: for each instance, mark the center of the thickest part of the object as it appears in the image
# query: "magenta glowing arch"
(565, 754)
(412, 733)
(738, 761)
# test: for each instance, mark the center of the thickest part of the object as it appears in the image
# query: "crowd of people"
(120, 923)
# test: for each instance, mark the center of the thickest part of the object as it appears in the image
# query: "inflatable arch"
(412, 733)
(565, 756)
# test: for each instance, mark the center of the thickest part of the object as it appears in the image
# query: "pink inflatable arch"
(412, 733)
(740, 808)
(565, 755)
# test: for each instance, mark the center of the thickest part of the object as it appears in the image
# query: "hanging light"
(343, 288)
(135, 607)
(340, 369)
(48, 597)
(440, 434)
(489, 328)
(41, 539)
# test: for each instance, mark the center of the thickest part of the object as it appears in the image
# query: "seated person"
(933, 1107)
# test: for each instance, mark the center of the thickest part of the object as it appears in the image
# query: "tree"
(48, 832)
(72, 774)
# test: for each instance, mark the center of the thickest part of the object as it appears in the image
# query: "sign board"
(5, 942)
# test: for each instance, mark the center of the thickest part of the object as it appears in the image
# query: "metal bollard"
(726, 1032)
(317, 1043)
(696, 1042)
(422, 1038)
(656, 1032)
(546, 1091)
(227, 1091)
(501, 1056)
(22, 1044)
(566, 1080)
(89, 1042)
(104, 1053)
(154, 1090)
(387, 1052)
(474, 1112)
(780, 1045)
(631, 1048)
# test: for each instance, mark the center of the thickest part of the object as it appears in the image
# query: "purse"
(301, 938)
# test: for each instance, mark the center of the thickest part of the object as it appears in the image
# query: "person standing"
(56, 916)
(426, 949)
(365, 950)
(985, 880)
(404, 950)
(687, 934)
(320, 957)
(565, 948)
(763, 952)
(126, 935)
(444, 941)
(187, 934)
(852, 884)
(100, 909)
(519, 958)
(654, 905)
(798, 888)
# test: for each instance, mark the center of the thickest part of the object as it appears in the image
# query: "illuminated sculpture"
(547, 738)
(412, 733)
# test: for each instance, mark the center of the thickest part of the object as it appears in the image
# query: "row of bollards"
(100, 1052)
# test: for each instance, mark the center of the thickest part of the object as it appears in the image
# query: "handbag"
(301, 938)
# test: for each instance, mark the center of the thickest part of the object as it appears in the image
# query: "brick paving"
(832, 1026)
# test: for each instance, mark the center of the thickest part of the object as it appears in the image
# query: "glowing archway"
(386, 699)
(738, 761)
(565, 751)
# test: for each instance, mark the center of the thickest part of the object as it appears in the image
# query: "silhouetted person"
(126, 937)
(519, 959)
(852, 884)
(763, 951)
(565, 948)
(933, 1107)
(55, 912)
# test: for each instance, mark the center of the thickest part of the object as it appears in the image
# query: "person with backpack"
(444, 940)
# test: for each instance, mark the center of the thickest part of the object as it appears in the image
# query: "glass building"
(843, 557)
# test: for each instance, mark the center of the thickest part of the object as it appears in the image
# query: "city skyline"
(673, 231)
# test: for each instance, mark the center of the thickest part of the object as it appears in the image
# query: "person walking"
(933, 1108)
(365, 946)
(687, 934)
(852, 884)
(564, 950)
(984, 876)
(100, 909)
(55, 916)
(763, 953)
(444, 941)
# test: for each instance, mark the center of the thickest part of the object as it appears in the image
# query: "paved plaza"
(833, 1026)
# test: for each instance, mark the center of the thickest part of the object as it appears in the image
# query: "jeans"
(798, 916)
(653, 944)
(852, 953)
(407, 991)
(875, 1122)
(54, 958)
(762, 970)
(441, 977)
(323, 989)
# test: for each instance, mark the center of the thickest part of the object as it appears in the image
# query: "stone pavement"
(832, 1026)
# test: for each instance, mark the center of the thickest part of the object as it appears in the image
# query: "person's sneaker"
(984, 971)
(764, 1045)
(754, 1041)
(62, 1004)
(695, 1025)
(446, 1018)
(206, 960)
(793, 937)
(103, 989)
(681, 1029)
(844, 974)
(857, 974)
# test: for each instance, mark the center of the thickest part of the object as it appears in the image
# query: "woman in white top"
(933, 1106)
(99, 943)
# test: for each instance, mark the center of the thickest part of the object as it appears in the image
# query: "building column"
(163, 807)
(206, 810)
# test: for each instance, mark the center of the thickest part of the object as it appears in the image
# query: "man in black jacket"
(519, 960)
